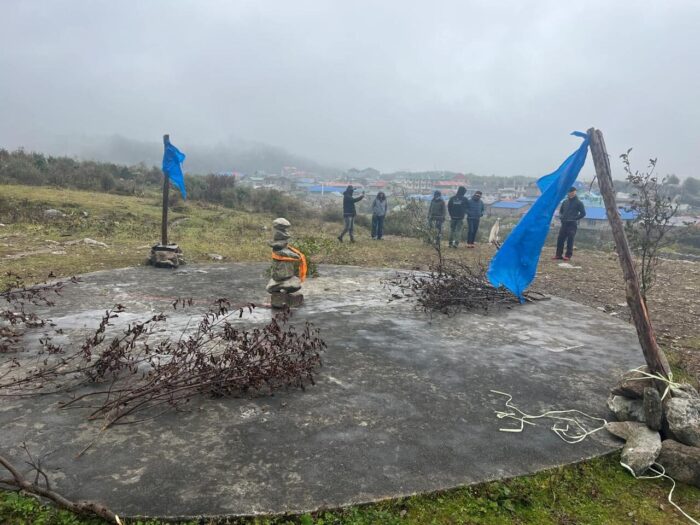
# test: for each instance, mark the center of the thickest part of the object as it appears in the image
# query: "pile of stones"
(664, 431)
(166, 256)
(284, 285)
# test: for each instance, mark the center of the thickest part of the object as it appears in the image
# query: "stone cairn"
(664, 431)
(166, 256)
(284, 285)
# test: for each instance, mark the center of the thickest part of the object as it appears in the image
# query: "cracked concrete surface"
(401, 405)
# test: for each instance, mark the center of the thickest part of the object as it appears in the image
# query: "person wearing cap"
(349, 212)
(570, 212)
(436, 216)
(457, 208)
(475, 210)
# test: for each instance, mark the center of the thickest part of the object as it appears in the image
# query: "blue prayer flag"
(172, 158)
(515, 264)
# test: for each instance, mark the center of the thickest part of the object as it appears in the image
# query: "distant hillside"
(234, 155)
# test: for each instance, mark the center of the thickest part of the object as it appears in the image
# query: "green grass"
(598, 491)
(594, 492)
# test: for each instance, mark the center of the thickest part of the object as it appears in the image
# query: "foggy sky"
(490, 87)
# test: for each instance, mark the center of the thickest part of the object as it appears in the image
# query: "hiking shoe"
(565, 258)
(340, 239)
(557, 258)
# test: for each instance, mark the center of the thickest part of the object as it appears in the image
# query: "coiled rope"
(569, 429)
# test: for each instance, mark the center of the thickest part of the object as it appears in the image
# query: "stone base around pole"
(280, 300)
(166, 256)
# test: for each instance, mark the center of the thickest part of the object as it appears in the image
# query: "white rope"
(562, 426)
(658, 377)
(662, 474)
(582, 432)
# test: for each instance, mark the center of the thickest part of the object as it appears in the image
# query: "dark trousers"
(435, 229)
(567, 232)
(377, 226)
(456, 226)
(473, 227)
(349, 226)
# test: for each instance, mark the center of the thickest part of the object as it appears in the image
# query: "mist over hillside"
(233, 155)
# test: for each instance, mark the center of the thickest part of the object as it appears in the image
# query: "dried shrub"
(450, 286)
(130, 375)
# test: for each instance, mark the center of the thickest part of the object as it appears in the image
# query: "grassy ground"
(595, 492)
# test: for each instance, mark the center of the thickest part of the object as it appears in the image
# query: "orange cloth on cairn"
(301, 260)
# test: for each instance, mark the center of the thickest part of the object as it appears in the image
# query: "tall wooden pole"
(654, 356)
(166, 191)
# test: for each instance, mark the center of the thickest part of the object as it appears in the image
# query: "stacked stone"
(283, 285)
(663, 431)
(166, 256)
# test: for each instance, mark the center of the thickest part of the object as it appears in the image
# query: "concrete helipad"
(401, 405)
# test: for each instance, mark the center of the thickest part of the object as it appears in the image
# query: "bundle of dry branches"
(15, 297)
(129, 375)
(450, 286)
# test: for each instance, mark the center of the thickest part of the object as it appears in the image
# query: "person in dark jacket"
(570, 212)
(457, 208)
(436, 216)
(379, 208)
(349, 212)
(475, 210)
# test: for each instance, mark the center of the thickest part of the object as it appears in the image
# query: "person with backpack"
(349, 212)
(379, 209)
(457, 208)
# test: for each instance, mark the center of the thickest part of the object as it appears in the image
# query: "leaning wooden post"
(166, 191)
(654, 356)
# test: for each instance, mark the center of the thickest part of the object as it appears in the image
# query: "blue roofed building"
(508, 208)
(597, 219)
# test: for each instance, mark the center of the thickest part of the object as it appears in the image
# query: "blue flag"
(172, 158)
(515, 264)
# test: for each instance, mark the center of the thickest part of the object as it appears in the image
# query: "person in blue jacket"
(475, 210)
(349, 212)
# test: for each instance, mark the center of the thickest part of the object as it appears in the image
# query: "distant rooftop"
(597, 213)
(510, 205)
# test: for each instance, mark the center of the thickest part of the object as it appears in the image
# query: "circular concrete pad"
(402, 404)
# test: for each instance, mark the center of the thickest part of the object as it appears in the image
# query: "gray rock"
(685, 391)
(289, 286)
(627, 409)
(632, 384)
(281, 224)
(281, 270)
(642, 445)
(653, 408)
(278, 245)
(53, 214)
(215, 257)
(681, 462)
(683, 416)
(288, 253)
(280, 235)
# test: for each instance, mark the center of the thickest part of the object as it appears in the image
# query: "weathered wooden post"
(166, 255)
(654, 356)
(166, 192)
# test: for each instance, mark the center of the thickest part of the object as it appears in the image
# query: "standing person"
(475, 210)
(570, 212)
(379, 207)
(436, 216)
(457, 207)
(349, 212)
